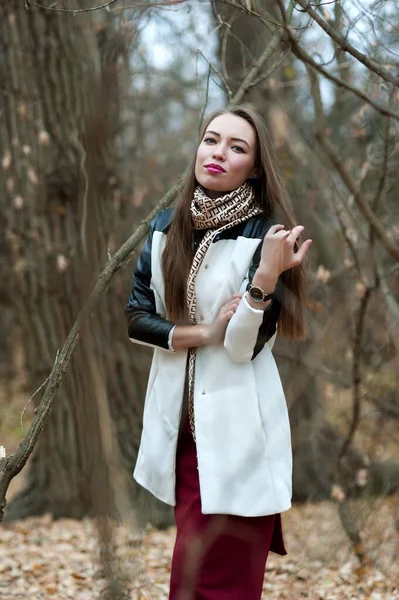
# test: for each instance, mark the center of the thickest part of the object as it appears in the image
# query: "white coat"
(241, 418)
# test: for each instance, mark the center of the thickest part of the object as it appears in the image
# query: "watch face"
(256, 294)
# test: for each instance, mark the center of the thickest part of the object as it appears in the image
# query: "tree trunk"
(59, 102)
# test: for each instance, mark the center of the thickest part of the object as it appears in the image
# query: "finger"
(305, 247)
(232, 305)
(238, 295)
(233, 301)
(300, 255)
(297, 230)
(275, 229)
(295, 233)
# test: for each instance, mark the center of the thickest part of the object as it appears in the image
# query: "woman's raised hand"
(278, 249)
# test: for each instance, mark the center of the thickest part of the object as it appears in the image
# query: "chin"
(209, 183)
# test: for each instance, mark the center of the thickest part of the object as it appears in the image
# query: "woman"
(215, 277)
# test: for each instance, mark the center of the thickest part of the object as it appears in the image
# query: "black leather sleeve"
(144, 324)
(271, 314)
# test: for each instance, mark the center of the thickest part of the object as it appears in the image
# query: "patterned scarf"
(216, 215)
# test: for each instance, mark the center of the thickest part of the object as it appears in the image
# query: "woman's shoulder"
(257, 226)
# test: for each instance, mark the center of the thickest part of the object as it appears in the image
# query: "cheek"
(240, 165)
(201, 155)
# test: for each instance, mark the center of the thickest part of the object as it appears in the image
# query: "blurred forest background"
(99, 116)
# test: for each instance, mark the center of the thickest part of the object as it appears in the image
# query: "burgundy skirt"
(216, 557)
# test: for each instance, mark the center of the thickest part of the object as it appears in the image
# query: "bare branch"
(390, 298)
(206, 97)
(346, 46)
(213, 68)
(21, 421)
(246, 10)
(163, 4)
(266, 19)
(267, 53)
(359, 200)
(356, 375)
(346, 235)
(349, 524)
(68, 10)
(301, 54)
(271, 69)
(82, 167)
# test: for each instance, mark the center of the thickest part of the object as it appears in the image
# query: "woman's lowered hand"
(216, 331)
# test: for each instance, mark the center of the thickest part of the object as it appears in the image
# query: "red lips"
(214, 168)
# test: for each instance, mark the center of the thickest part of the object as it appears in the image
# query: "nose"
(218, 152)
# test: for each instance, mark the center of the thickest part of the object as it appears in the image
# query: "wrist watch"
(257, 294)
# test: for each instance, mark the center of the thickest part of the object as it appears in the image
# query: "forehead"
(229, 125)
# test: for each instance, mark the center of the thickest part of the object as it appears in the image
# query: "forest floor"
(42, 558)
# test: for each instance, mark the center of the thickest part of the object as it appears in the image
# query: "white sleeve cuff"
(242, 332)
(255, 310)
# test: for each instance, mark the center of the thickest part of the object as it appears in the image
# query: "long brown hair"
(270, 196)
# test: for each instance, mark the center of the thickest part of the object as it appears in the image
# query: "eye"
(207, 140)
(238, 148)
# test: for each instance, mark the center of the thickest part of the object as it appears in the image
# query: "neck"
(214, 194)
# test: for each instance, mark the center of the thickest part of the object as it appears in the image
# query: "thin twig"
(350, 525)
(269, 22)
(356, 376)
(306, 58)
(163, 5)
(85, 192)
(390, 299)
(220, 75)
(69, 10)
(206, 98)
(346, 46)
(379, 276)
(267, 53)
(21, 422)
(271, 69)
(348, 241)
(360, 201)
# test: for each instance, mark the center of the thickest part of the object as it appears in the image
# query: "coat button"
(203, 392)
(206, 266)
(201, 318)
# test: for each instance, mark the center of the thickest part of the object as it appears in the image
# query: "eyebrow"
(232, 139)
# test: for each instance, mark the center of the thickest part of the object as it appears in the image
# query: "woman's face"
(226, 155)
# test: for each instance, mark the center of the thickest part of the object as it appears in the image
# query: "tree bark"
(59, 101)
